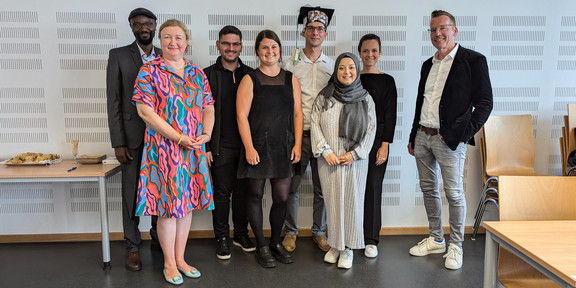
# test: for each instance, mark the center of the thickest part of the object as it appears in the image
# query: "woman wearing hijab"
(342, 131)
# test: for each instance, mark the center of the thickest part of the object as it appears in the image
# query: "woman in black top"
(382, 88)
(269, 113)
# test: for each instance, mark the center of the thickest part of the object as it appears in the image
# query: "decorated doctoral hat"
(141, 11)
(315, 14)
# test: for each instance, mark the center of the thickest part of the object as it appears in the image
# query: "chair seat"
(513, 172)
(514, 272)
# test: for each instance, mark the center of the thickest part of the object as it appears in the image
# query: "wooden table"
(549, 246)
(65, 172)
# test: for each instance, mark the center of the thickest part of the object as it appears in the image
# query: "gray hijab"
(354, 114)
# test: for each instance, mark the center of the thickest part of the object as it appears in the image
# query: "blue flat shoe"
(194, 273)
(178, 280)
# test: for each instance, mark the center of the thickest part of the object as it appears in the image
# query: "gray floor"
(79, 265)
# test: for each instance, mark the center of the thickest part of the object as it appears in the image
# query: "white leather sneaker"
(346, 258)
(332, 256)
(428, 246)
(371, 251)
(454, 257)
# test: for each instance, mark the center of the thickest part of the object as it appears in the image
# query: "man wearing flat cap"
(313, 69)
(126, 127)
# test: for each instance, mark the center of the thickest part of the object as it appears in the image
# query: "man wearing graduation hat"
(126, 127)
(313, 69)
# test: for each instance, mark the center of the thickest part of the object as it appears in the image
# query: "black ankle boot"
(281, 254)
(265, 258)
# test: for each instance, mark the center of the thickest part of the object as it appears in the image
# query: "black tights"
(280, 189)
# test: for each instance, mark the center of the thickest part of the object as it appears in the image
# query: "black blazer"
(126, 127)
(466, 100)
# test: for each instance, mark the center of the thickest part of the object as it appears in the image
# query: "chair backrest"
(482, 146)
(571, 127)
(509, 145)
(532, 198)
(537, 198)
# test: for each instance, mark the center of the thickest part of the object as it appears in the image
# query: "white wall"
(52, 85)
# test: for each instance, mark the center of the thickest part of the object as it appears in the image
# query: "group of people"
(209, 139)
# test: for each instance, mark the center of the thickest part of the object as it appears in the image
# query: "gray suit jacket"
(126, 127)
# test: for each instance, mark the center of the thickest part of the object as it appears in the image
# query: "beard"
(142, 40)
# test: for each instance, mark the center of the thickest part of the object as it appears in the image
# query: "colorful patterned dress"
(173, 181)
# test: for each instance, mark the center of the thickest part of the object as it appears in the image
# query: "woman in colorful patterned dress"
(173, 97)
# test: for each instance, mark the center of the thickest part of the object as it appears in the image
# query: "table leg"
(104, 222)
(490, 261)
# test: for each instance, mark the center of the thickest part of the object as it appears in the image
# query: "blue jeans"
(431, 152)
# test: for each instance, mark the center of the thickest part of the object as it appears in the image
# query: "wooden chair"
(568, 139)
(532, 198)
(508, 149)
(489, 191)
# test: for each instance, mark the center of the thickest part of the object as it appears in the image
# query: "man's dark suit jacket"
(126, 127)
(466, 100)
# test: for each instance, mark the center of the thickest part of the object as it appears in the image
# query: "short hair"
(176, 23)
(369, 37)
(229, 29)
(269, 34)
(438, 13)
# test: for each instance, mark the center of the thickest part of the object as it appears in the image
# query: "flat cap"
(141, 11)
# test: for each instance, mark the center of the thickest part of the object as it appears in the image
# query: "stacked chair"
(532, 198)
(507, 148)
(568, 141)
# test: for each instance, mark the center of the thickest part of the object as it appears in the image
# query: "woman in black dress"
(269, 113)
(382, 88)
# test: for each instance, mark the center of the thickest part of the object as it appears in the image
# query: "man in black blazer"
(126, 127)
(454, 101)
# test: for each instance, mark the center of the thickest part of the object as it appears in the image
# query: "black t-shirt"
(229, 135)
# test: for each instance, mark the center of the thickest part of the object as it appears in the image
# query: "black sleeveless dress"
(271, 121)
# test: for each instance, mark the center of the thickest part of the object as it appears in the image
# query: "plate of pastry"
(32, 159)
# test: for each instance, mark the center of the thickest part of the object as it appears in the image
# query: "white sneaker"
(332, 256)
(346, 257)
(453, 257)
(371, 251)
(428, 246)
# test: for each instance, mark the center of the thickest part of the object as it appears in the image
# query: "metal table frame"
(100, 179)
(491, 261)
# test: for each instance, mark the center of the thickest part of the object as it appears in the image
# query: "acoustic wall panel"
(87, 33)
(18, 17)
(519, 21)
(245, 20)
(85, 49)
(20, 48)
(40, 123)
(21, 93)
(20, 64)
(85, 17)
(20, 32)
(53, 60)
